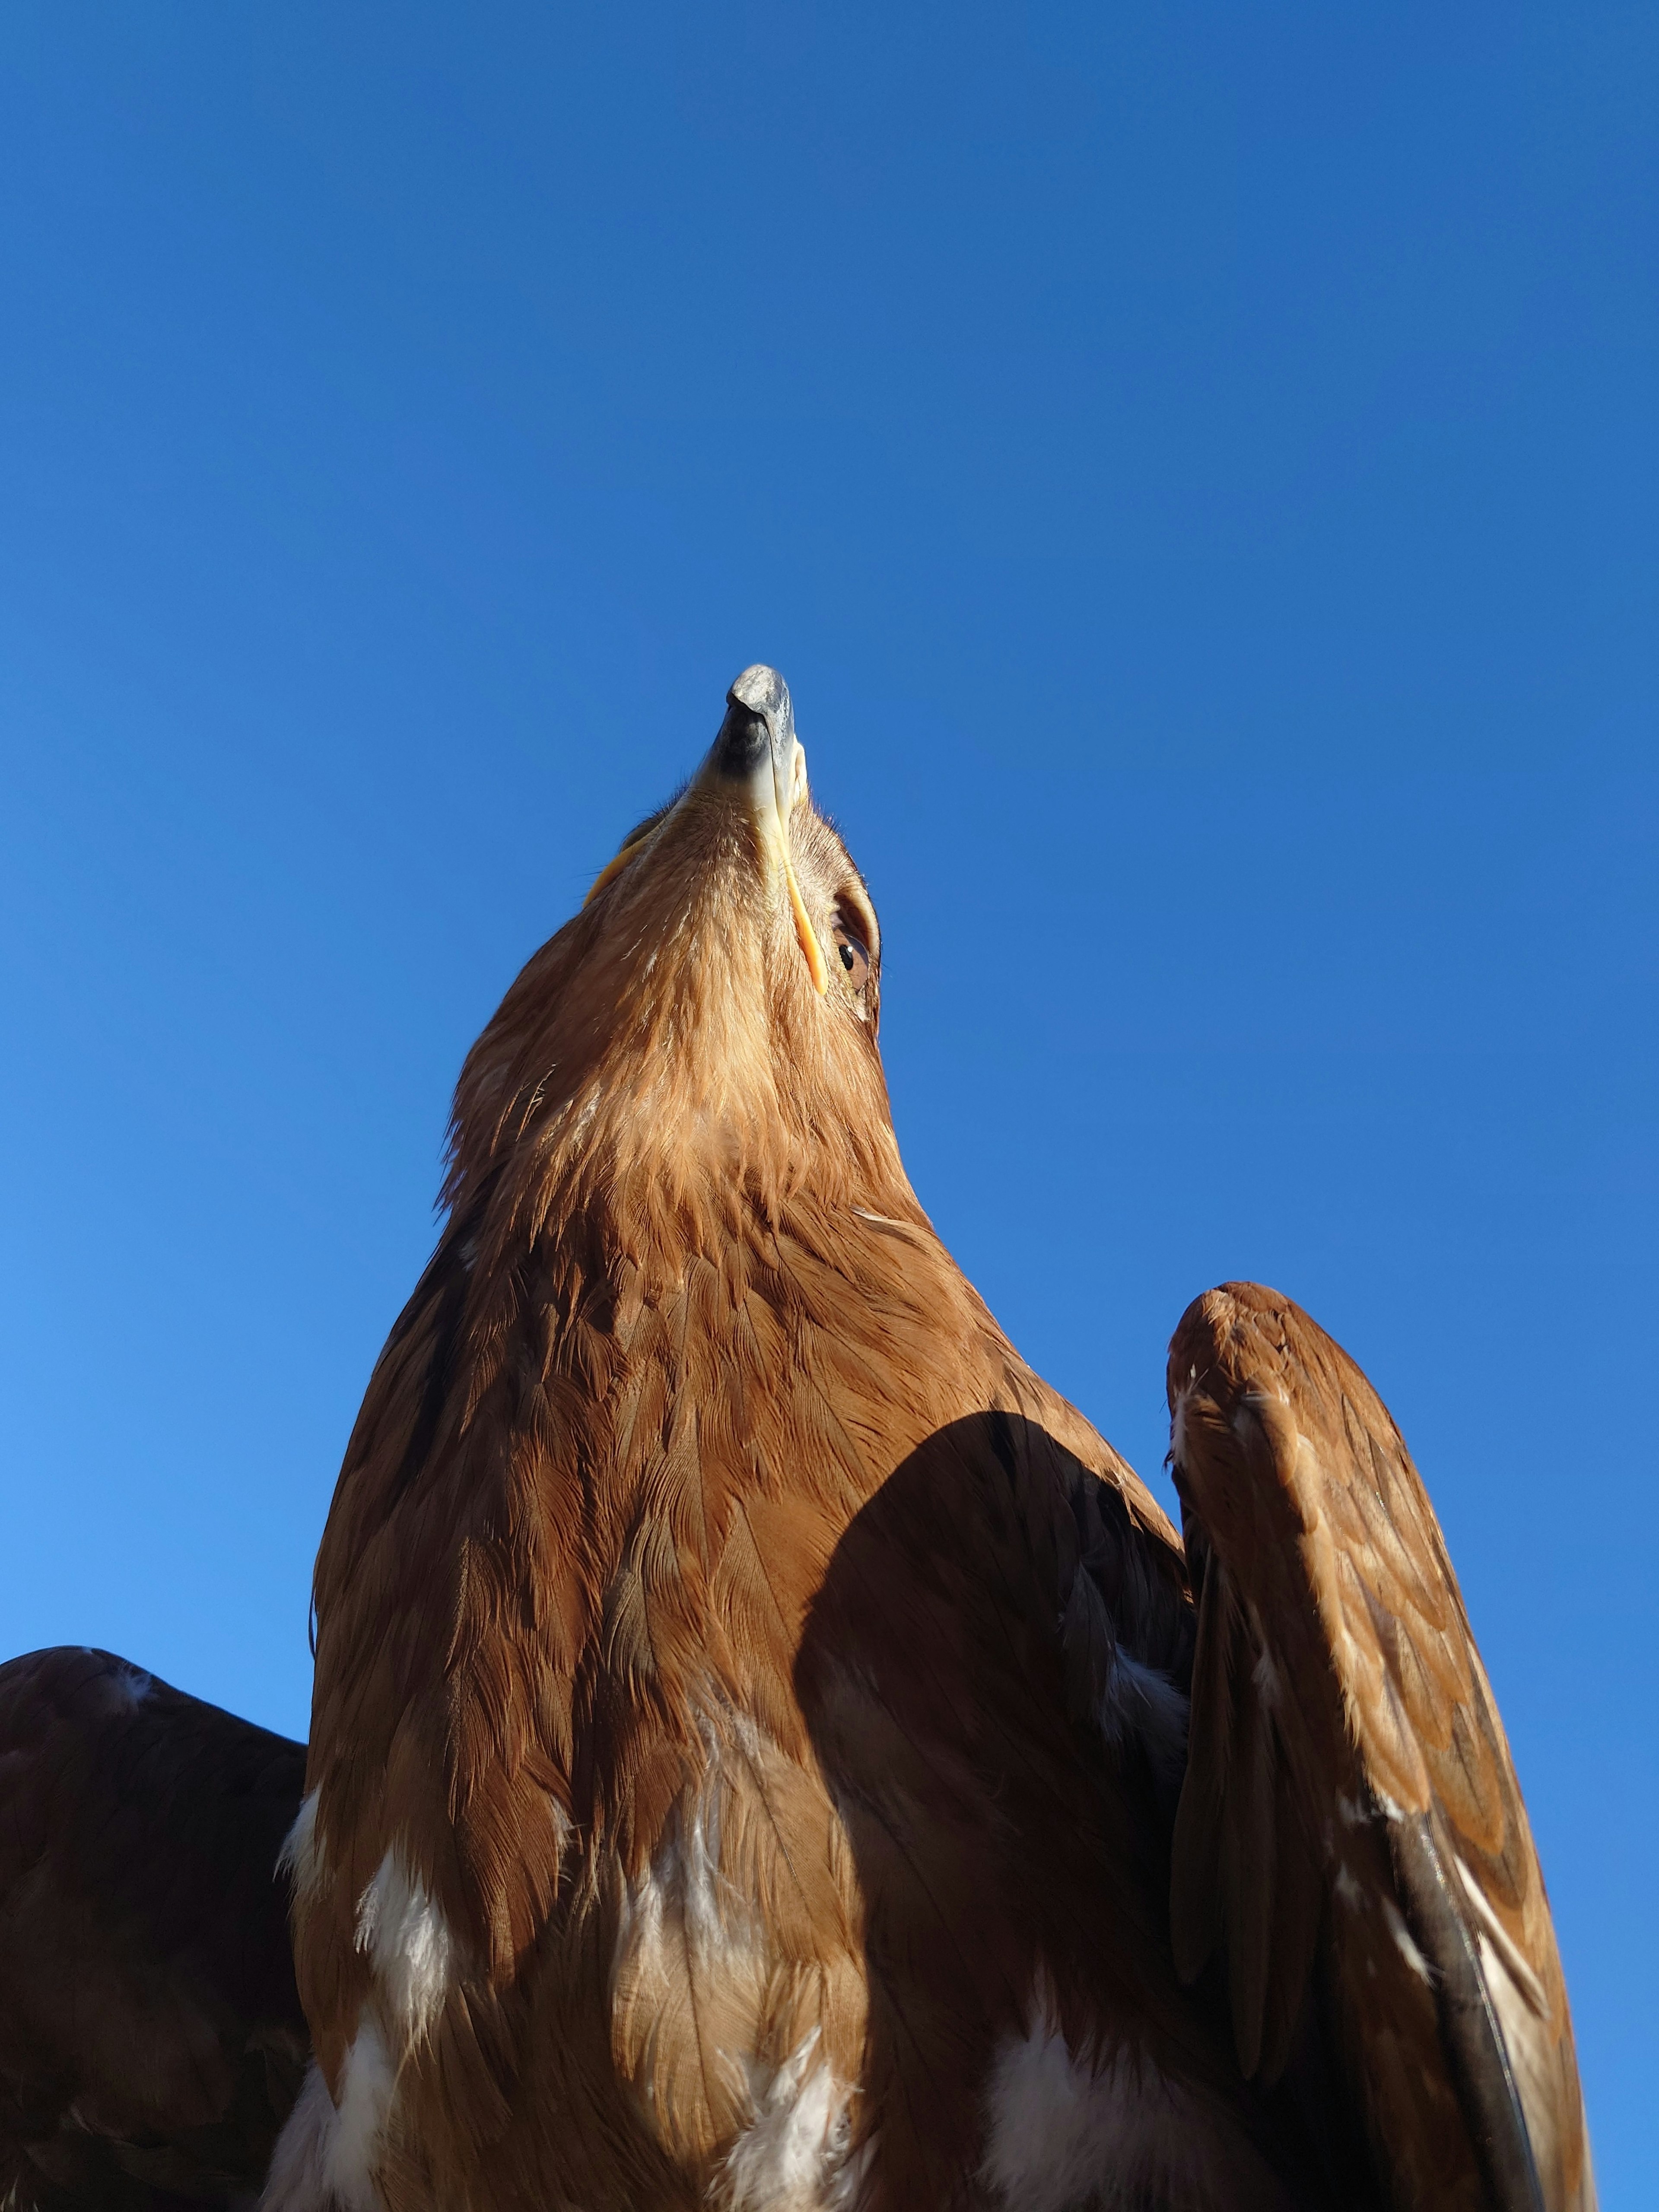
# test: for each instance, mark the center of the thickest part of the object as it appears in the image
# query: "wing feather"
(1350, 1836)
(151, 2038)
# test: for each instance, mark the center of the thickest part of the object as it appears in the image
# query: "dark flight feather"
(151, 2038)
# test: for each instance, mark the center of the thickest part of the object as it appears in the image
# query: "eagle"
(768, 1752)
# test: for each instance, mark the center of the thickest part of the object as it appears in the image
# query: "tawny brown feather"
(151, 2039)
(754, 1696)
(1350, 1834)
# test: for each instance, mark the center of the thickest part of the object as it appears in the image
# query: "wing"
(151, 2040)
(1351, 1836)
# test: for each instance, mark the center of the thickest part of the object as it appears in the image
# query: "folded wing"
(1350, 1842)
(151, 2040)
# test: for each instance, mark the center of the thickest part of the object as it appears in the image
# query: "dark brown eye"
(853, 959)
(854, 929)
(854, 955)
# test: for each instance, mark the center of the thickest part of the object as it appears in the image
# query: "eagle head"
(703, 1031)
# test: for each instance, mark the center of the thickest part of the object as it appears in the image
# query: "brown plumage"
(716, 1617)
(1350, 1830)
(750, 1706)
(151, 2039)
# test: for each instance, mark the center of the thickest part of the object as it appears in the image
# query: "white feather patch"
(1403, 1942)
(302, 1856)
(409, 1948)
(324, 2157)
(793, 2156)
(1497, 1942)
(693, 1921)
(1069, 2129)
(124, 1686)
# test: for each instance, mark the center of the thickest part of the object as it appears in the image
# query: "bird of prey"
(769, 1753)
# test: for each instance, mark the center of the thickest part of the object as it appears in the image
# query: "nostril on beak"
(742, 743)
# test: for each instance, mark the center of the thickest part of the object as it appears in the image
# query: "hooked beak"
(757, 748)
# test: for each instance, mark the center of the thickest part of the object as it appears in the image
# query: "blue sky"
(1196, 467)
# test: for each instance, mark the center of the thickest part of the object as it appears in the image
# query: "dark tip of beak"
(759, 722)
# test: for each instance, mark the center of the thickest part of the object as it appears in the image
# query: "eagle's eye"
(853, 953)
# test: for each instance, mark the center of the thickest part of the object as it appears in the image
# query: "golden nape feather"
(752, 1708)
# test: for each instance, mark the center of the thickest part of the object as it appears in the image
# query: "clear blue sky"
(1196, 467)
